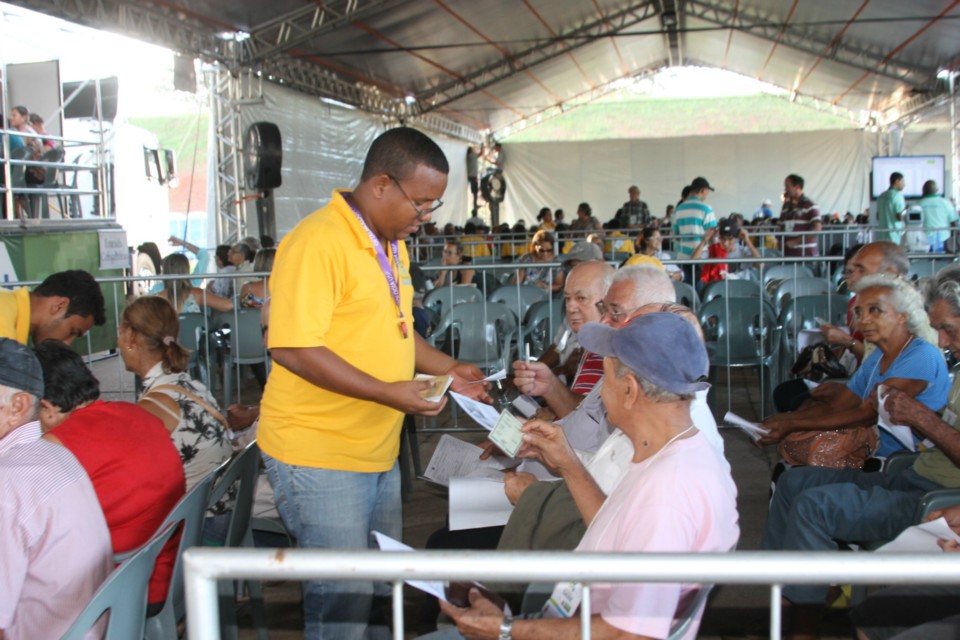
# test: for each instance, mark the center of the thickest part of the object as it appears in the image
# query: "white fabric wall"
(323, 149)
(744, 169)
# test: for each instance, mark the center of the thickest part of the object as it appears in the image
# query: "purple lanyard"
(384, 262)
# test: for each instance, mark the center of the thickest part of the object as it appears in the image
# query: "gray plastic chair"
(801, 313)
(193, 338)
(795, 287)
(731, 289)
(244, 468)
(541, 317)
(518, 297)
(686, 295)
(784, 271)
(442, 299)
(190, 513)
(246, 347)
(483, 333)
(40, 202)
(123, 595)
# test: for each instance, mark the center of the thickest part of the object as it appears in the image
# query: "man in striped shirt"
(691, 219)
(799, 214)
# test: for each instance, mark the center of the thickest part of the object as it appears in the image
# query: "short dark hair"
(930, 188)
(84, 293)
(223, 253)
(895, 177)
(795, 180)
(22, 110)
(398, 152)
(267, 242)
(67, 382)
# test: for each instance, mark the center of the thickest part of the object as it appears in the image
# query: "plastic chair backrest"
(17, 171)
(123, 594)
(542, 318)
(246, 338)
(731, 289)
(796, 287)
(734, 332)
(518, 297)
(686, 294)
(785, 271)
(190, 511)
(245, 468)
(442, 299)
(52, 155)
(484, 331)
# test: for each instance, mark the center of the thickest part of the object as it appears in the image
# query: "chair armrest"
(899, 462)
(935, 500)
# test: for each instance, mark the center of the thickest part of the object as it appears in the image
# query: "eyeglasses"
(616, 316)
(422, 212)
(543, 249)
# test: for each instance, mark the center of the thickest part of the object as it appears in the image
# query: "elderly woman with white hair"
(891, 317)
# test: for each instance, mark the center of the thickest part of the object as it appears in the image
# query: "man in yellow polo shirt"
(345, 354)
(63, 307)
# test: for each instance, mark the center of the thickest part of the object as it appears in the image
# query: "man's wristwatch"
(851, 345)
(506, 628)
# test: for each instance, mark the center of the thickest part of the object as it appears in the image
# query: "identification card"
(440, 386)
(506, 434)
(564, 601)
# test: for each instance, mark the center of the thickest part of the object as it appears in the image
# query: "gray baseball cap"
(662, 348)
(19, 368)
(583, 251)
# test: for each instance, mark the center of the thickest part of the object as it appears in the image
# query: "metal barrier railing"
(204, 566)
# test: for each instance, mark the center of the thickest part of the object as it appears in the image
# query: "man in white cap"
(765, 212)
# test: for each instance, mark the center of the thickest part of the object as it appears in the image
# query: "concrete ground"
(733, 611)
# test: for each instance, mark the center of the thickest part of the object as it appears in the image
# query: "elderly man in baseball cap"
(677, 496)
(54, 544)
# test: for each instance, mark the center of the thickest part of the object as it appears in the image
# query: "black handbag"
(818, 362)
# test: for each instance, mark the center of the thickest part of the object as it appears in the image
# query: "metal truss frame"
(564, 42)
(769, 28)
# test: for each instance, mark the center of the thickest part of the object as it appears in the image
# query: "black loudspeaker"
(184, 74)
(263, 154)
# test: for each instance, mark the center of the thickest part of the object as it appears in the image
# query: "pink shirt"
(54, 544)
(682, 499)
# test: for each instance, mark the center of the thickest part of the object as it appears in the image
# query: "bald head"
(586, 285)
(877, 257)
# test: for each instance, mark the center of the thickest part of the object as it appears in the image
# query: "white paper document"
(434, 588)
(921, 538)
(752, 429)
(478, 502)
(485, 415)
(454, 458)
(903, 434)
(493, 377)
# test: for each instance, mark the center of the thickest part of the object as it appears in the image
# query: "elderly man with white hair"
(54, 543)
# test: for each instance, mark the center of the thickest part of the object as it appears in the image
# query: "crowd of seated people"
(624, 454)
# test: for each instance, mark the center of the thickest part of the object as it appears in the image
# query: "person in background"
(453, 256)
(20, 120)
(798, 216)
(890, 207)
(185, 297)
(222, 287)
(545, 219)
(726, 247)
(634, 214)
(765, 212)
(938, 216)
(37, 123)
(649, 243)
(585, 222)
(542, 248)
(692, 218)
(254, 294)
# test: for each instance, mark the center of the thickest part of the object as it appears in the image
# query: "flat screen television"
(915, 169)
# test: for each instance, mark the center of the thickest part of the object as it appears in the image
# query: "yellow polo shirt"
(328, 290)
(15, 314)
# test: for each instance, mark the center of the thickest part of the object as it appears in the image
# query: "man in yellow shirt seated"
(62, 307)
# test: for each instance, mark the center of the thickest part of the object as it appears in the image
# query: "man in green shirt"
(938, 216)
(890, 208)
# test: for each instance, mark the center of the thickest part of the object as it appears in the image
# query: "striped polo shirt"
(690, 220)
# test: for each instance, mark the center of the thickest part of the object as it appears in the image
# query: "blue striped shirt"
(690, 220)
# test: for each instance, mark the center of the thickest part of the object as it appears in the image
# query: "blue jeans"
(814, 507)
(328, 509)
